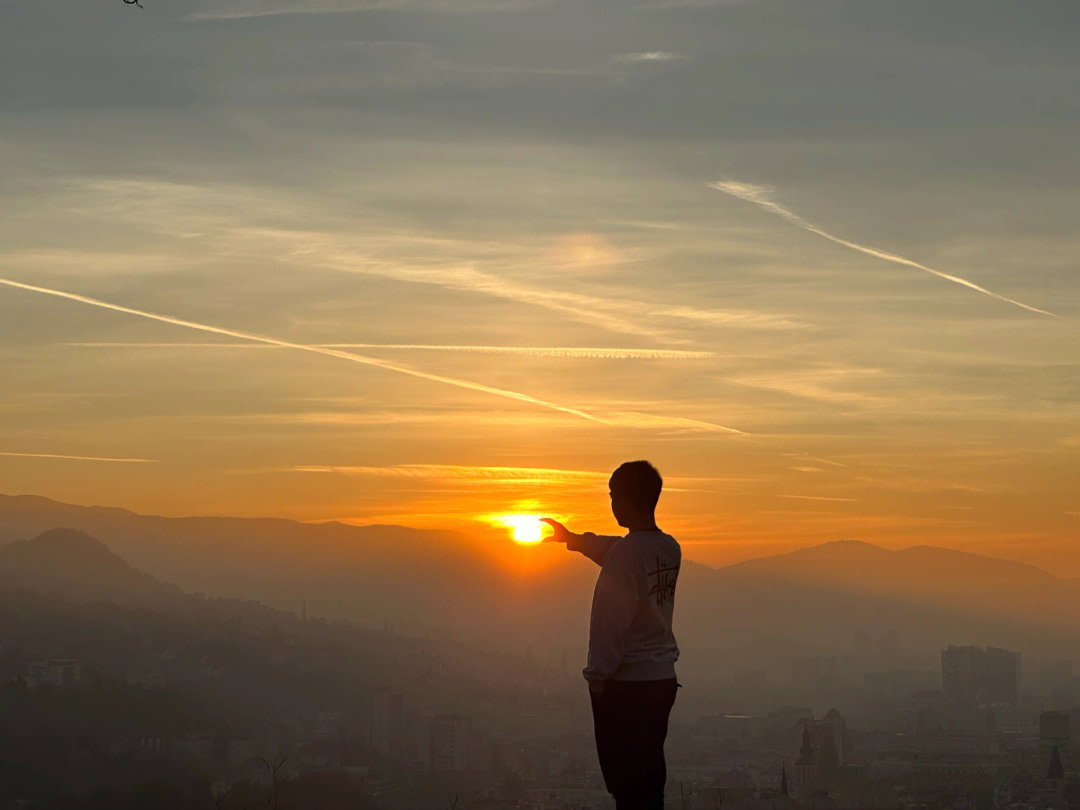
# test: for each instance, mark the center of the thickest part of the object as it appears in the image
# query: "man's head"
(635, 489)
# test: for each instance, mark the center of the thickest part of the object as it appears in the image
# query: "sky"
(426, 262)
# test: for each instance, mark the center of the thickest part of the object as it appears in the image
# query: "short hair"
(639, 480)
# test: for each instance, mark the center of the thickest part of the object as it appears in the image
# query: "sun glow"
(525, 529)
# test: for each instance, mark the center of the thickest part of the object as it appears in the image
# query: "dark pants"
(630, 719)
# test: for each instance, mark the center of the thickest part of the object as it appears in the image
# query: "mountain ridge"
(758, 613)
(69, 563)
(819, 548)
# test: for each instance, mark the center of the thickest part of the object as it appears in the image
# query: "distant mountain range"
(71, 565)
(64, 595)
(885, 608)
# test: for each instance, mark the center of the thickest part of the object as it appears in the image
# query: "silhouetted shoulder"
(657, 540)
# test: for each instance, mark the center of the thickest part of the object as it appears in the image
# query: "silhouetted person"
(632, 651)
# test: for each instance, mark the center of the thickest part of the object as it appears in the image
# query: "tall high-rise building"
(387, 721)
(1054, 730)
(447, 743)
(1001, 676)
(975, 675)
(960, 672)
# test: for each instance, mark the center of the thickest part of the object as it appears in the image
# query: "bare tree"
(274, 768)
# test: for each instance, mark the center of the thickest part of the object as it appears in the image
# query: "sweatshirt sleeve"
(615, 604)
(593, 546)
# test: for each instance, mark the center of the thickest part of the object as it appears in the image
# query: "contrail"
(81, 458)
(585, 352)
(341, 355)
(758, 196)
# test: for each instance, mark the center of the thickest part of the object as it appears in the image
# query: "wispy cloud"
(169, 208)
(242, 9)
(486, 476)
(668, 414)
(819, 498)
(465, 420)
(220, 214)
(100, 262)
(814, 384)
(617, 311)
(759, 196)
(585, 352)
(341, 355)
(818, 459)
(467, 474)
(614, 417)
(458, 421)
(634, 419)
(648, 56)
(81, 458)
(915, 484)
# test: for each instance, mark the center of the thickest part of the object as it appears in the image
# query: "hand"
(560, 534)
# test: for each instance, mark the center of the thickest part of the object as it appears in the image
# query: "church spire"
(1056, 773)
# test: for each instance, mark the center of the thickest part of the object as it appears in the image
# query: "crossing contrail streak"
(341, 355)
(80, 458)
(585, 352)
(757, 196)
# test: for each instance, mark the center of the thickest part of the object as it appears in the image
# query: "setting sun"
(525, 529)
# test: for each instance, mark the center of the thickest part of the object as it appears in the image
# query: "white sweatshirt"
(630, 636)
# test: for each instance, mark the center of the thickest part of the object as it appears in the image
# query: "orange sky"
(817, 264)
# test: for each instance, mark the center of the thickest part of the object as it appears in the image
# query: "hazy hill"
(63, 594)
(957, 585)
(918, 572)
(412, 581)
(160, 665)
(853, 598)
(336, 570)
(824, 600)
(71, 564)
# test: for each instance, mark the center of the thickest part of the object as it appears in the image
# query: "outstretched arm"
(593, 546)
